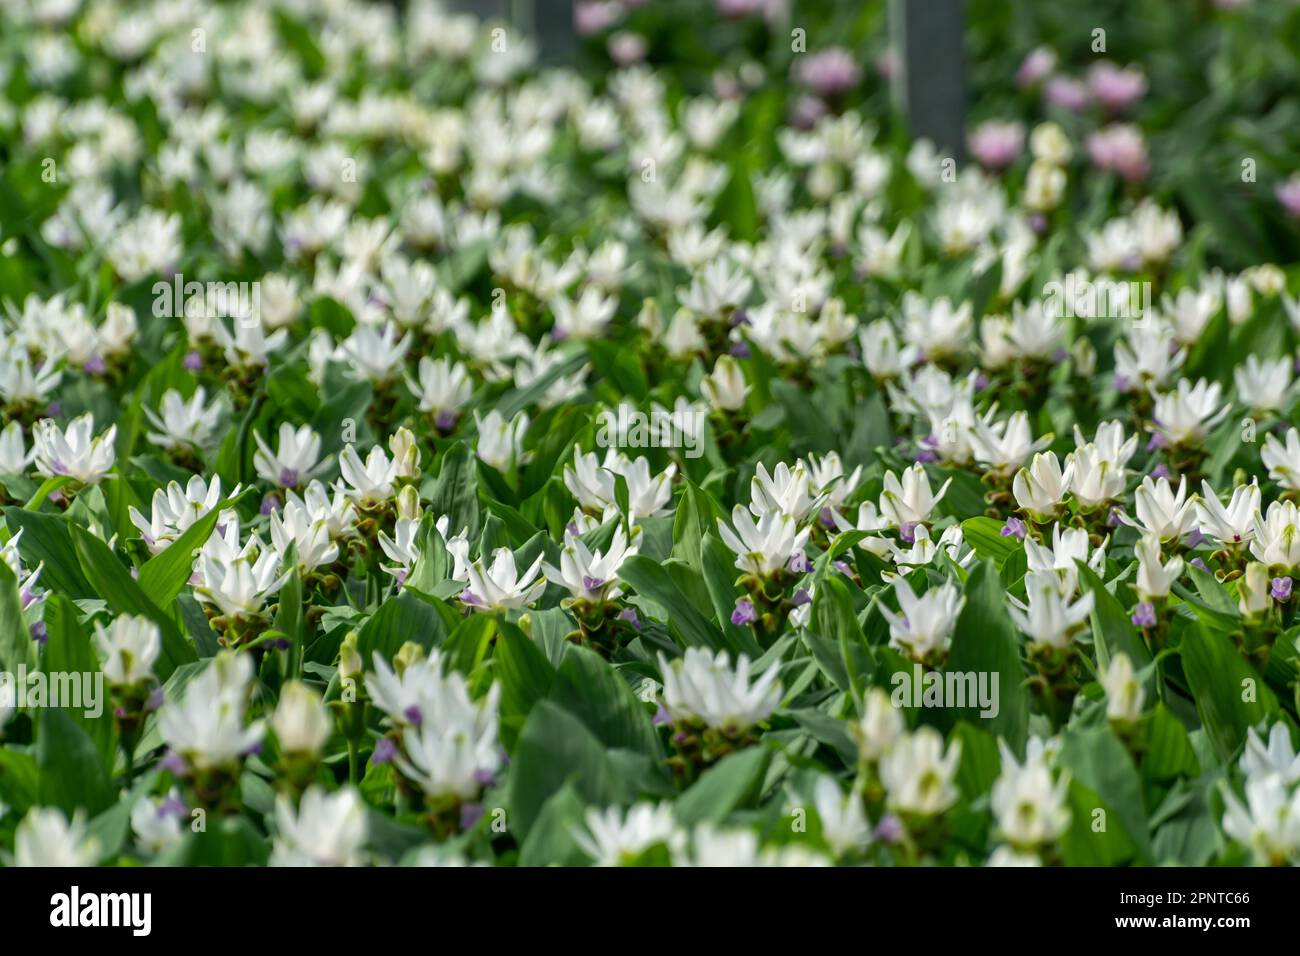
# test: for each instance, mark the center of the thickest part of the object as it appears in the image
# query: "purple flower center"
(270, 503)
(385, 751)
(192, 361)
(445, 420)
(629, 615)
(288, 477)
(1013, 528)
(798, 563)
(744, 613)
(801, 597)
(469, 597)
(1281, 589)
(413, 715)
(1144, 615)
(94, 365)
(907, 531)
(470, 814)
(592, 584)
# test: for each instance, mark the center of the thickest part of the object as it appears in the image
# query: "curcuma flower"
(501, 587)
(765, 547)
(295, 461)
(501, 442)
(784, 490)
(130, 647)
(1277, 536)
(1050, 620)
(591, 576)
(1030, 806)
(326, 829)
(181, 425)
(702, 688)
(919, 775)
(1233, 526)
(1283, 460)
(1268, 822)
(1041, 488)
(77, 452)
(1124, 692)
(301, 722)
(45, 837)
(206, 727)
(1185, 416)
(614, 837)
(175, 509)
(909, 501)
(923, 628)
(1153, 578)
(1161, 511)
(237, 587)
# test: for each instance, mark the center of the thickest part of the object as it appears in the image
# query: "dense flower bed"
(415, 454)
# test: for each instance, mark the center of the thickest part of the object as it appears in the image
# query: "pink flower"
(996, 144)
(1120, 147)
(594, 16)
(1288, 194)
(829, 72)
(1116, 88)
(627, 48)
(1038, 66)
(1066, 93)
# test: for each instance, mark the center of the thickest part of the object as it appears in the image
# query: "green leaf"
(735, 781)
(1099, 761)
(984, 642)
(68, 651)
(984, 535)
(1230, 696)
(46, 541)
(400, 619)
(16, 644)
(587, 687)
(72, 774)
(526, 677)
(163, 575)
(689, 626)
(455, 493)
(556, 748)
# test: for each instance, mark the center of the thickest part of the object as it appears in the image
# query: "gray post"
(930, 80)
(548, 22)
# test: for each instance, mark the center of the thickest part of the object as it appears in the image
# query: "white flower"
(22, 383)
(716, 290)
(614, 837)
(14, 456)
(1264, 386)
(1124, 692)
(78, 451)
(45, 837)
(1283, 461)
(827, 478)
(1185, 416)
(376, 353)
(881, 353)
(1253, 598)
(130, 646)
(922, 629)
(452, 751)
(909, 501)
(501, 587)
(181, 424)
(725, 387)
(157, 823)
(1144, 359)
(175, 509)
(444, 386)
(1153, 578)
(881, 725)
(1031, 808)
(501, 442)
(1050, 620)
(701, 687)
(296, 459)
(301, 723)
(294, 525)
(1277, 536)
(586, 318)
(371, 482)
(1234, 525)
(238, 586)
(1041, 488)
(919, 776)
(784, 490)
(844, 822)
(936, 329)
(327, 829)
(1097, 480)
(1006, 856)
(1003, 446)
(648, 495)
(1068, 546)
(1161, 511)
(1278, 757)
(591, 576)
(1269, 821)
(765, 547)
(206, 726)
